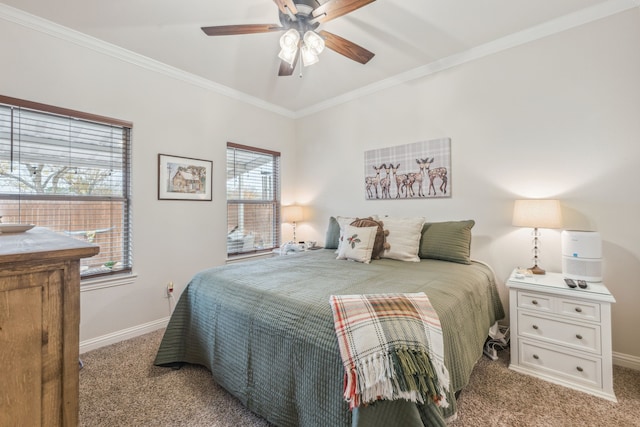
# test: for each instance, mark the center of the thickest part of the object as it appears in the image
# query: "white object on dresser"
(562, 334)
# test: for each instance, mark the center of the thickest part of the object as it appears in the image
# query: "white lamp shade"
(292, 214)
(537, 213)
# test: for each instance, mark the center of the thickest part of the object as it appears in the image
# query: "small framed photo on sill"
(184, 178)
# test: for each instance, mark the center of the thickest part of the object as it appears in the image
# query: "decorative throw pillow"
(357, 243)
(333, 234)
(403, 238)
(447, 241)
(379, 245)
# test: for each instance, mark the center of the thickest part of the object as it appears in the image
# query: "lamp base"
(537, 270)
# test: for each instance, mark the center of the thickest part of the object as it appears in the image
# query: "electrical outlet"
(169, 289)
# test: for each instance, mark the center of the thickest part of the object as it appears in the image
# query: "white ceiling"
(409, 37)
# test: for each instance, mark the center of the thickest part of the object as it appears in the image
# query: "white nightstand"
(560, 334)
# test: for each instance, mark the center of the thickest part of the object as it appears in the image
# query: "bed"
(265, 331)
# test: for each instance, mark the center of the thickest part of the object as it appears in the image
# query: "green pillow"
(333, 234)
(447, 241)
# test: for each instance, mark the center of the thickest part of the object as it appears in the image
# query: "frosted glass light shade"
(314, 42)
(288, 55)
(537, 213)
(309, 57)
(289, 40)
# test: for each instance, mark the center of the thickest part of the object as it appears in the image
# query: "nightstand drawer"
(551, 361)
(535, 301)
(580, 309)
(564, 306)
(581, 337)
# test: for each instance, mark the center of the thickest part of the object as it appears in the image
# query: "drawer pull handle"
(534, 302)
(579, 336)
(535, 356)
(578, 309)
(579, 369)
(535, 327)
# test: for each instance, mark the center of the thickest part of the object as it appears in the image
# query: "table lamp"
(292, 214)
(537, 213)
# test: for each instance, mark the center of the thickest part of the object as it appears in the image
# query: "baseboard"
(626, 360)
(124, 334)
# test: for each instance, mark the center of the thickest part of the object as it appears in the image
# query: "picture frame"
(421, 170)
(184, 178)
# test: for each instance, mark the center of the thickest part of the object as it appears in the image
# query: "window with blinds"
(70, 172)
(253, 199)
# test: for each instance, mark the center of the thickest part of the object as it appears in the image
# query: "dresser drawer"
(550, 360)
(581, 337)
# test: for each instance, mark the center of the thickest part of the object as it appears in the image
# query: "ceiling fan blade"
(283, 5)
(232, 30)
(336, 8)
(345, 47)
(285, 68)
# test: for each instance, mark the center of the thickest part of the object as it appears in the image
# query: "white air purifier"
(582, 255)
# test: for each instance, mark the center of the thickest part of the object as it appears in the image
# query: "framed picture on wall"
(421, 170)
(183, 178)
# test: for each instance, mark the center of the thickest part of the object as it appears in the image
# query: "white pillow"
(403, 238)
(343, 221)
(358, 243)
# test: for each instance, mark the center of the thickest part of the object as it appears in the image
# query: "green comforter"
(265, 331)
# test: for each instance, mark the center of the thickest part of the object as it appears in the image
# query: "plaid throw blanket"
(391, 347)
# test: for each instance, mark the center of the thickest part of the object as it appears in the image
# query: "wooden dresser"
(39, 327)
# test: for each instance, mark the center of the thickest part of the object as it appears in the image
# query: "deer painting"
(400, 178)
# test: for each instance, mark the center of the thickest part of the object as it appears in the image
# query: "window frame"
(125, 199)
(275, 201)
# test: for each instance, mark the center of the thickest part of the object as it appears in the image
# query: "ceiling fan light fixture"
(314, 42)
(290, 40)
(309, 57)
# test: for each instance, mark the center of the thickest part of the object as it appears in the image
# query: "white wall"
(172, 239)
(556, 118)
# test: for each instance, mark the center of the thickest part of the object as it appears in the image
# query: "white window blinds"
(253, 199)
(70, 172)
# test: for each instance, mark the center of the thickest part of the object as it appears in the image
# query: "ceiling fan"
(299, 20)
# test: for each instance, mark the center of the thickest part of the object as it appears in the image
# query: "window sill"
(240, 258)
(107, 282)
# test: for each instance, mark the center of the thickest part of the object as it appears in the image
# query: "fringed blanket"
(391, 348)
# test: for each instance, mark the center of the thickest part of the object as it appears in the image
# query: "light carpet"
(119, 386)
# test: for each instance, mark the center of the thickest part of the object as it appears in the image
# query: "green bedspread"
(265, 331)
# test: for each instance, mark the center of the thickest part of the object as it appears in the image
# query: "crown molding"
(36, 23)
(554, 26)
